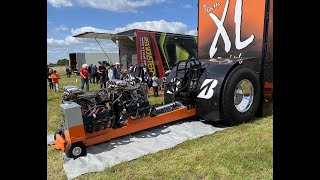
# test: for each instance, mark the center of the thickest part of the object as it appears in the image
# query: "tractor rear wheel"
(241, 95)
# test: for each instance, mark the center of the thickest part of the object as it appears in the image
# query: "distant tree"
(51, 65)
(63, 62)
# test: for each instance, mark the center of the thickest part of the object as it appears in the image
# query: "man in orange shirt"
(55, 80)
(84, 75)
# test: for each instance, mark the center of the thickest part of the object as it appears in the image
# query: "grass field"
(242, 152)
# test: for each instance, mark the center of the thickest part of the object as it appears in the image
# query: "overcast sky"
(69, 17)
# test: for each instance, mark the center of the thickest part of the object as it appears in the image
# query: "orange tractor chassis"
(131, 127)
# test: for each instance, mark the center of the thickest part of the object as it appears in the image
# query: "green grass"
(242, 152)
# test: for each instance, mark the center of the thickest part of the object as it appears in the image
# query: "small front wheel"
(75, 150)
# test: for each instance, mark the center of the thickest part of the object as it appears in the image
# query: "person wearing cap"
(84, 75)
(117, 71)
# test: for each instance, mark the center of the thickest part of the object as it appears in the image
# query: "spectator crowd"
(91, 74)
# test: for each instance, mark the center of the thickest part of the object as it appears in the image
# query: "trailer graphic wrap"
(228, 28)
(174, 48)
(161, 51)
(148, 53)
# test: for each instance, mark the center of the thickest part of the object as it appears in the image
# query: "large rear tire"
(241, 95)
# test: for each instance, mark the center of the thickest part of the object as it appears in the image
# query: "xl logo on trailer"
(207, 88)
(222, 31)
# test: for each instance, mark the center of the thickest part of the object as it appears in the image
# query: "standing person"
(148, 76)
(102, 73)
(110, 73)
(155, 84)
(84, 75)
(124, 75)
(94, 74)
(107, 71)
(117, 71)
(55, 80)
(131, 68)
(68, 71)
(50, 71)
(138, 73)
(89, 70)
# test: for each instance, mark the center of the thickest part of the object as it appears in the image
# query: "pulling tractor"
(228, 82)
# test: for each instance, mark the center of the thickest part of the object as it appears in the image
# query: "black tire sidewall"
(70, 147)
(233, 115)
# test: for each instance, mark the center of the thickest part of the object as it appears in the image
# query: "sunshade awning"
(94, 35)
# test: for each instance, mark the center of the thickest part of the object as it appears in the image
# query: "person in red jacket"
(84, 75)
(55, 80)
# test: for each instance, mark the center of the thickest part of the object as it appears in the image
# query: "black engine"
(98, 118)
(129, 101)
(94, 108)
(109, 108)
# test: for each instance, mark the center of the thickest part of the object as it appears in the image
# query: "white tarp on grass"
(135, 145)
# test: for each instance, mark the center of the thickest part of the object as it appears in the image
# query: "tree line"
(60, 62)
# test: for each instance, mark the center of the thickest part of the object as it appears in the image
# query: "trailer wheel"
(59, 131)
(75, 150)
(241, 95)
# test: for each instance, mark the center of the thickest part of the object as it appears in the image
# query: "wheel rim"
(76, 151)
(243, 95)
